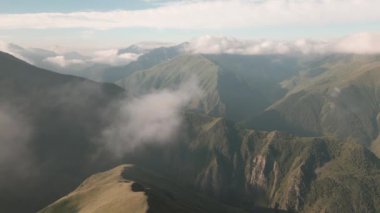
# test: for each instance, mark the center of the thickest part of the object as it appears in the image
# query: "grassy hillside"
(237, 87)
(238, 167)
(171, 74)
(335, 95)
(63, 115)
(247, 168)
(127, 188)
(225, 162)
(148, 60)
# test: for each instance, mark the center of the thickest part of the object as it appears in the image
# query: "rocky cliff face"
(252, 168)
(246, 169)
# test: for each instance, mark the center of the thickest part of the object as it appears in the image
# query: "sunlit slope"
(103, 192)
(127, 188)
(237, 87)
(338, 95)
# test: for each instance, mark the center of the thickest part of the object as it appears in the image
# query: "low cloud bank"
(113, 57)
(62, 61)
(152, 118)
(361, 43)
(13, 50)
(211, 14)
(70, 60)
(108, 57)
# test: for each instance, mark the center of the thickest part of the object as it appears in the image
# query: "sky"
(96, 24)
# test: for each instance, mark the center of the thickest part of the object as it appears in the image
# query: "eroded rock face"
(209, 179)
(295, 191)
(264, 178)
(252, 168)
(257, 178)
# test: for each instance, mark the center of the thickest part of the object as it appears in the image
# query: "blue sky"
(25, 6)
(87, 24)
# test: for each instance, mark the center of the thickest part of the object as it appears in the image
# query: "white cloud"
(113, 57)
(207, 15)
(151, 118)
(10, 49)
(109, 57)
(61, 61)
(228, 45)
(87, 34)
(41, 57)
(362, 43)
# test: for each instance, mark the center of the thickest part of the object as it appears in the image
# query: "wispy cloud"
(15, 134)
(13, 50)
(361, 43)
(112, 57)
(62, 61)
(51, 59)
(151, 118)
(207, 15)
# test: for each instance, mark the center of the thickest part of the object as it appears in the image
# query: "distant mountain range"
(297, 132)
(335, 95)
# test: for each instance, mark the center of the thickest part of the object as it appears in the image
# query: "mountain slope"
(127, 188)
(153, 57)
(60, 115)
(244, 168)
(248, 168)
(236, 166)
(171, 74)
(312, 95)
(237, 87)
(343, 100)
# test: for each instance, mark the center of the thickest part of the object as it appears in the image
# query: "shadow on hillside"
(267, 210)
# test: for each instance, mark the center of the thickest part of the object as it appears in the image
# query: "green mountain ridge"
(64, 115)
(333, 95)
(174, 72)
(235, 87)
(216, 158)
(247, 168)
(342, 101)
(128, 188)
(153, 57)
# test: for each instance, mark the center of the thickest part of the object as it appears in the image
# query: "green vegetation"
(331, 95)
(218, 162)
(127, 188)
(342, 99)
(246, 168)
